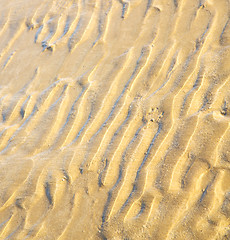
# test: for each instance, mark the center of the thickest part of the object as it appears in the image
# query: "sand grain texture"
(114, 119)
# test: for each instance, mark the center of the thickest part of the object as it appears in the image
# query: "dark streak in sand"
(48, 193)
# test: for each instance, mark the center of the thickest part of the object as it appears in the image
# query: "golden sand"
(114, 119)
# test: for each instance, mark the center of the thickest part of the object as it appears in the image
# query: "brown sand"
(114, 119)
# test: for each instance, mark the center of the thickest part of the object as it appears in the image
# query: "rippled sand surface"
(114, 119)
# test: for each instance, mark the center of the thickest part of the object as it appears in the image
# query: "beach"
(115, 119)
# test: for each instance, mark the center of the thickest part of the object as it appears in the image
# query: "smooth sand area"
(114, 119)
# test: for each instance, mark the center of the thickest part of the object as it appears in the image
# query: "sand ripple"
(114, 119)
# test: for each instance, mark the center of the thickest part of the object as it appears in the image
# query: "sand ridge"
(114, 119)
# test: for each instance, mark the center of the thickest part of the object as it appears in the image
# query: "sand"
(114, 119)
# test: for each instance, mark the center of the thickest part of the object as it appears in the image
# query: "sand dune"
(114, 119)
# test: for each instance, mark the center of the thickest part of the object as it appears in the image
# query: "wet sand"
(114, 119)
